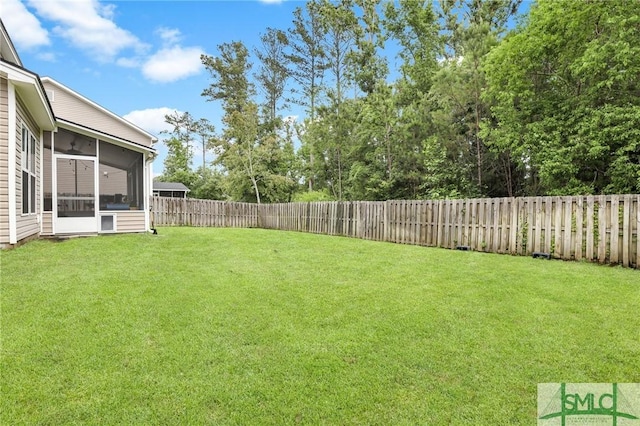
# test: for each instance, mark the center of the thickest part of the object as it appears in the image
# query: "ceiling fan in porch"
(73, 150)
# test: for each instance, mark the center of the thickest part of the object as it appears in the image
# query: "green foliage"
(309, 196)
(209, 184)
(229, 70)
(444, 177)
(367, 67)
(565, 92)
(306, 56)
(273, 73)
(177, 163)
(471, 30)
(255, 156)
(373, 155)
(413, 24)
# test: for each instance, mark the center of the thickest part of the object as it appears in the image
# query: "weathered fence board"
(602, 229)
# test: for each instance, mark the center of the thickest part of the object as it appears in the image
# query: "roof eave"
(72, 92)
(8, 45)
(29, 87)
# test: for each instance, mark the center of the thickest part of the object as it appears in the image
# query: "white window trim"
(12, 110)
(32, 143)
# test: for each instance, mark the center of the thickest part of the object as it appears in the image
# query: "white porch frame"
(75, 224)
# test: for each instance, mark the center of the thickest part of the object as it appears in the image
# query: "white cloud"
(170, 36)
(173, 63)
(23, 27)
(128, 62)
(271, 1)
(151, 119)
(47, 57)
(88, 25)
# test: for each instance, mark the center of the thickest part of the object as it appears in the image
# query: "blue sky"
(139, 59)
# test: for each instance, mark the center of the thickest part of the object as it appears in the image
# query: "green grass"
(240, 326)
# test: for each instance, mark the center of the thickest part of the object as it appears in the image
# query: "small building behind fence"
(170, 189)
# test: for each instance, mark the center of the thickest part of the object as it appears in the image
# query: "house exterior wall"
(47, 223)
(26, 224)
(4, 162)
(41, 105)
(67, 106)
(131, 221)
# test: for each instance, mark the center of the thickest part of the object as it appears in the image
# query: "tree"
(306, 56)
(367, 67)
(372, 171)
(205, 131)
(338, 23)
(209, 185)
(240, 153)
(237, 146)
(471, 29)
(307, 59)
(249, 151)
(339, 26)
(413, 24)
(274, 72)
(177, 164)
(565, 94)
(229, 71)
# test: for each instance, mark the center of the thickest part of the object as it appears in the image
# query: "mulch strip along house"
(68, 166)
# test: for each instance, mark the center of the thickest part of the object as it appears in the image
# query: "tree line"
(473, 105)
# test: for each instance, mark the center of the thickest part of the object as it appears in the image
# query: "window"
(28, 172)
(121, 178)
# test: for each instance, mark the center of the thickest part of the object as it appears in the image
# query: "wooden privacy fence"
(193, 212)
(594, 228)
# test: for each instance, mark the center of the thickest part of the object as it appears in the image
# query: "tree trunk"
(255, 188)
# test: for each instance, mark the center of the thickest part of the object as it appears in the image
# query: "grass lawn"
(242, 326)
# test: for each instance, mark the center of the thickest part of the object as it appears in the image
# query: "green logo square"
(616, 404)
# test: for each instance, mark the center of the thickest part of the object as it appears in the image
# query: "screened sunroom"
(92, 184)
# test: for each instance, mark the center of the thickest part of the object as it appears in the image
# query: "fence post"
(637, 231)
(626, 230)
(579, 227)
(513, 228)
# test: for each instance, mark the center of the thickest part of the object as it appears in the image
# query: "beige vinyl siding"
(47, 223)
(131, 221)
(4, 162)
(68, 106)
(26, 224)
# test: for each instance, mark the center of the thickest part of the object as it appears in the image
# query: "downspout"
(148, 191)
(40, 181)
(13, 116)
(147, 197)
